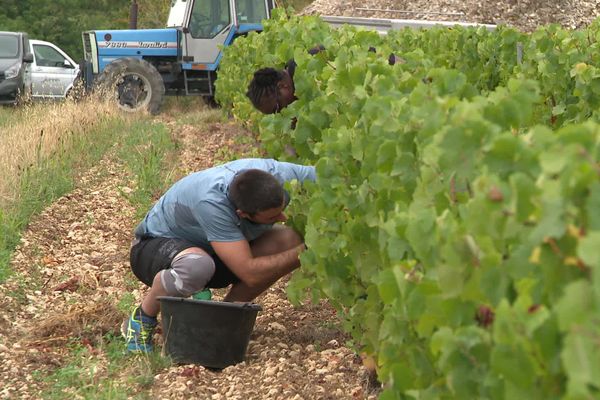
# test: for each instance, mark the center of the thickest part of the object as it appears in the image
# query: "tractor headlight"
(12, 71)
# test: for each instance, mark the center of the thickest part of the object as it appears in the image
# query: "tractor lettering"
(116, 45)
(155, 45)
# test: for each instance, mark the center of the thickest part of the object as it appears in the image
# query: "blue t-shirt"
(196, 208)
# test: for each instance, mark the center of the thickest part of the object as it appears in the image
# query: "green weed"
(148, 152)
(5, 115)
(127, 302)
(201, 117)
(86, 375)
(181, 104)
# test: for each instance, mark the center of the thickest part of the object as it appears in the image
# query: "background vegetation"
(63, 21)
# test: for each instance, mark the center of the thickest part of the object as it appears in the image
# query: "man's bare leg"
(277, 240)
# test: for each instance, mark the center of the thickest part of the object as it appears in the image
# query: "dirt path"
(73, 272)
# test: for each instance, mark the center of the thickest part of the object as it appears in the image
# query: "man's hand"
(255, 271)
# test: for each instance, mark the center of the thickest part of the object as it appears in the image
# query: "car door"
(53, 71)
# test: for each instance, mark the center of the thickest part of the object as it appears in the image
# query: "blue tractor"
(140, 67)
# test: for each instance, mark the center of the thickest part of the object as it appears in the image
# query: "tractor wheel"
(134, 83)
(210, 101)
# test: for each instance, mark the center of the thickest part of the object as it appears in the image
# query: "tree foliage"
(63, 21)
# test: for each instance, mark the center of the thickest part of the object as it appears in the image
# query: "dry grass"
(35, 132)
(82, 320)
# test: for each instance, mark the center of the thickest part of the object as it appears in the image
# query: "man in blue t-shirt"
(212, 229)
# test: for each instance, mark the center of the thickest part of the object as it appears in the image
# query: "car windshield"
(9, 46)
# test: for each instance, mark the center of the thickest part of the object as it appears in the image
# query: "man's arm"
(256, 270)
(286, 172)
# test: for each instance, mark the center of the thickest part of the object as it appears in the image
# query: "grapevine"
(454, 222)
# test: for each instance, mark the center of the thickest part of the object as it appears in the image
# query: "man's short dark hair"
(254, 190)
(263, 83)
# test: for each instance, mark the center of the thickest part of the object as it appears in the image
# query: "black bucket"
(213, 334)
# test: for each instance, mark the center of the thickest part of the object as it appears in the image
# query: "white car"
(53, 72)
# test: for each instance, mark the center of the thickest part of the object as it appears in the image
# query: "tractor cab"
(209, 24)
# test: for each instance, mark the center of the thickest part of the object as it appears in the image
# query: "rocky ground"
(73, 272)
(525, 15)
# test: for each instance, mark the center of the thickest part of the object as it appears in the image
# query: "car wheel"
(23, 96)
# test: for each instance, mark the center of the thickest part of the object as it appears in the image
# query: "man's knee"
(275, 241)
(189, 273)
(289, 238)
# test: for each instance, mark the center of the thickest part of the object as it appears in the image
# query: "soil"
(525, 15)
(73, 272)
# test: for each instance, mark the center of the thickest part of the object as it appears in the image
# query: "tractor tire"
(134, 83)
(210, 101)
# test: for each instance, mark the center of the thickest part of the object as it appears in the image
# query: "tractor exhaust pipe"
(133, 14)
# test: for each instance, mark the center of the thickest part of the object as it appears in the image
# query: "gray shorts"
(149, 256)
